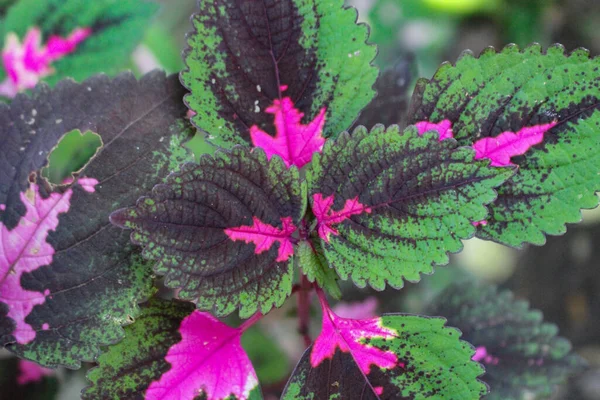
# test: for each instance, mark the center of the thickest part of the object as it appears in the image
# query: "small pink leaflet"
(294, 143)
(501, 148)
(326, 217)
(346, 334)
(264, 236)
(483, 222)
(24, 249)
(88, 184)
(444, 128)
(27, 63)
(30, 372)
(208, 360)
(481, 354)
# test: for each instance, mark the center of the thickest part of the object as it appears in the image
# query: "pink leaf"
(208, 360)
(483, 222)
(24, 249)
(481, 355)
(294, 143)
(27, 63)
(264, 236)
(326, 217)
(347, 334)
(30, 372)
(358, 310)
(501, 148)
(444, 128)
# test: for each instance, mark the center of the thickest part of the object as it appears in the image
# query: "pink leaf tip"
(501, 148)
(25, 64)
(294, 143)
(481, 355)
(326, 217)
(264, 236)
(444, 128)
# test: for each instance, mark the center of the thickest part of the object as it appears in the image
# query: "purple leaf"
(294, 142)
(264, 236)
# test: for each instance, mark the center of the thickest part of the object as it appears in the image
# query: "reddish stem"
(250, 321)
(304, 309)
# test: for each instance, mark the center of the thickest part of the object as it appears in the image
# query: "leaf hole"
(72, 153)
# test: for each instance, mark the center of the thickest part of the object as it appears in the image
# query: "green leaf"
(221, 230)
(75, 280)
(522, 354)
(117, 28)
(513, 89)
(432, 363)
(241, 53)
(414, 199)
(311, 259)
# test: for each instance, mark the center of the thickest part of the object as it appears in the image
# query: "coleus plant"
(500, 146)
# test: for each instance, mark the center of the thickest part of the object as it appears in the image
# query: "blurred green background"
(562, 278)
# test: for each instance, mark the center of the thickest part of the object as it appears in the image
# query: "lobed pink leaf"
(264, 236)
(444, 128)
(208, 360)
(294, 143)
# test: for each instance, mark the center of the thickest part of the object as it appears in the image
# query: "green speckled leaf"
(523, 355)
(414, 199)
(513, 89)
(241, 53)
(117, 28)
(432, 364)
(221, 230)
(76, 279)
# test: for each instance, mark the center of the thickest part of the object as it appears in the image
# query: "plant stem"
(304, 309)
(250, 321)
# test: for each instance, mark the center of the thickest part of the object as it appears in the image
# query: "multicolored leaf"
(68, 279)
(523, 356)
(245, 56)
(390, 205)
(311, 260)
(175, 352)
(544, 106)
(221, 230)
(395, 356)
(105, 33)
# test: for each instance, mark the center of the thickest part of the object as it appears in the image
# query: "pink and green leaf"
(221, 230)
(389, 357)
(391, 205)
(175, 352)
(242, 53)
(523, 356)
(60, 251)
(75, 38)
(534, 108)
(26, 380)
